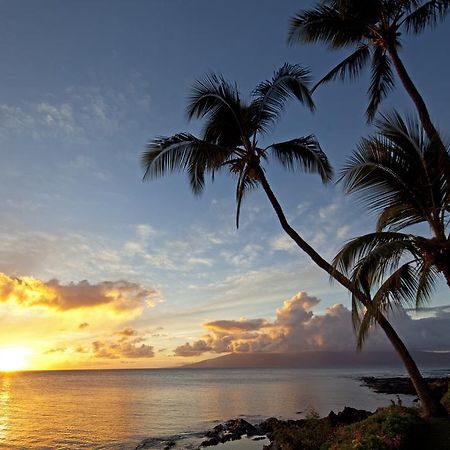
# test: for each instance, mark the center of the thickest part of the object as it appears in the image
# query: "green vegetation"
(390, 428)
(445, 400)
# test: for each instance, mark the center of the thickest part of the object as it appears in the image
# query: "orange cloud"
(127, 343)
(119, 296)
(296, 328)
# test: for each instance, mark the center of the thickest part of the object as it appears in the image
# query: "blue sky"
(85, 84)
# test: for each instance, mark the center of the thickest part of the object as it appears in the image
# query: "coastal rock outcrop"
(229, 431)
(403, 385)
(347, 416)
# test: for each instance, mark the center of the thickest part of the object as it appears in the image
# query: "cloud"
(284, 243)
(235, 325)
(244, 256)
(127, 332)
(118, 296)
(195, 349)
(74, 114)
(109, 350)
(127, 343)
(297, 328)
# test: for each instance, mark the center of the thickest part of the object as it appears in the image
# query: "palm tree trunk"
(431, 406)
(422, 109)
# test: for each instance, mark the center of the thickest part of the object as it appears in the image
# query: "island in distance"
(320, 359)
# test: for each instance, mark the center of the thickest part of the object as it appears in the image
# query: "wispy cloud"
(78, 113)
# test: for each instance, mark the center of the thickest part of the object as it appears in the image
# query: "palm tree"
(230, 141)
(399, 173)
(374, 27)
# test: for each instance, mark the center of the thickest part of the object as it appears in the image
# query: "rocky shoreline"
(234, 429)
(403, 385)
(284, 433)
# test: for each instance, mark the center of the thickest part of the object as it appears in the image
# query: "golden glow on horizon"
(13, 359)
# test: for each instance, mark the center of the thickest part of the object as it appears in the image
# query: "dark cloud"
(236, 325)
(297, 328)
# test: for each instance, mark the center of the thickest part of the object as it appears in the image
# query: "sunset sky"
(97, 268)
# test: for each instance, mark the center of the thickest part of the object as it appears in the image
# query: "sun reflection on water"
(5, 385)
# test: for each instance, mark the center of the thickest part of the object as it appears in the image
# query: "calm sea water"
(118, 409)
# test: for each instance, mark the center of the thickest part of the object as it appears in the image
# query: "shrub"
(393, 428)
(445, 400)
(310, 435)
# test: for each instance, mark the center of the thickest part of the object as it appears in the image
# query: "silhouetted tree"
(374, 28)
(230, 141)
(401, 174)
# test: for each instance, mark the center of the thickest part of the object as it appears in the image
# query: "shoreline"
(238, 434)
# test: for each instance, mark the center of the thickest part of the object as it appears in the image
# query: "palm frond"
(269, 97)
(244, 184)
(407, 135)
(427, 15)
(217, 100)
(385, 177)
(397, 217)
(359, 248)
(325, 23)
(381, 81)
(350, 67)
(362, 331)
(398, 289)
(182, 152)
(304, 153)
(427, 280)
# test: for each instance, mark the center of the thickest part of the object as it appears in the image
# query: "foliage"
(372, 28)
(232, 128)
(403, 176)
(389, 428)
(310, 435)
(445, 400)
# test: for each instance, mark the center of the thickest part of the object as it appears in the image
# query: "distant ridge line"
(318, 359)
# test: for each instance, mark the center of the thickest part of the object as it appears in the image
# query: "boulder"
(347, 416)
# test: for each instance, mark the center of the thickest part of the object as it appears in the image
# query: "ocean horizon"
(114, 409)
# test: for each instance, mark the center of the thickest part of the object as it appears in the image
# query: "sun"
(13, 358)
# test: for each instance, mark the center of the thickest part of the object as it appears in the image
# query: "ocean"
(118, 409)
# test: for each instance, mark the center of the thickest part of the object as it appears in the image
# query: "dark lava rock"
(231, 430)
(269, 425)
(210, 442)
(348, 416)
(403, 385)
(169, 445)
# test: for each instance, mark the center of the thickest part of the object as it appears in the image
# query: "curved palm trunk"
(422, 109)
(444, 268)
(431, 407)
